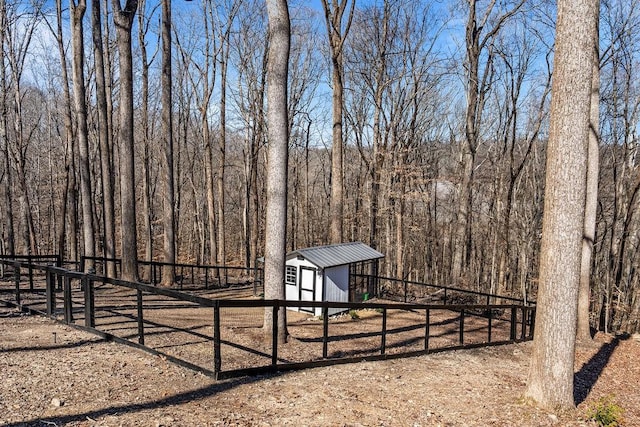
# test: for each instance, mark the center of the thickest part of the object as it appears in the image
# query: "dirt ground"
(184, 330)
(53, 375)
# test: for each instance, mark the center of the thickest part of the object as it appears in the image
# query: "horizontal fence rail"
(225, 338)
(411, 291)
(184, 274)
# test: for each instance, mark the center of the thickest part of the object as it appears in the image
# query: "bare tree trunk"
(104, 136)
(208, 76)
(551, 371)
(468, 148)
(17, 51)
(591, 201)
(379, 148)
(400, 238)
(333, 14)
(147, 209)
(145, 140)
(256, 142)
(79, 93)
(168, 200)
(278, 132)
(123, 19)
(478, 37)
(211, 208)
(222, 147)
(4, 142)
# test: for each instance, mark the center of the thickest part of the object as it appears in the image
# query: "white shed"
(321, 273)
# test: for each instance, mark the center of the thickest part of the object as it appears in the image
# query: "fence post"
(462, 327)
(255, 277)
(30, 268)
(51, 293)
(383, 344)
(140, 318)
(523, 333)
(16, 277)
(445, 296)
(532, 329)
(217, 357)
(60, 281)
(490, 316)
(532, 321)
(404, 284)
(68, 307)
(427, 328)
(89, 310)
(274, 335)
(82, 263)
(325, 331)
(513, 323)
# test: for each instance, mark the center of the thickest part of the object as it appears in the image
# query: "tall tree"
(591, 200)
(104, 137)
(4, 141)
(145, 136)
(68, 202)
(551, 372)
(202, 77)
(77, 11)
(278, 153)
(250, 57)
(168, 217)
(334, 15)
(482, 28)
(224, 29)
(18, 32)
(123, 20)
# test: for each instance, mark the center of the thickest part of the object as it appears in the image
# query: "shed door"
(307, 286)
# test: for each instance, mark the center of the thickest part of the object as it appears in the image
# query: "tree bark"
(106, 167)
(333, 17)
(478, 37)
(17, 47)
(144, 139)
(79, 94)
(168, 200)
(551, 372)
(591, 201)
(4, 141)
(278, 133)
(123, 20)
(222, 146)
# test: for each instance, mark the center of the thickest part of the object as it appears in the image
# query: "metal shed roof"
(338, 254)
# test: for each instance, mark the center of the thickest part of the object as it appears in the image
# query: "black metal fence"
(226, 338)
(417, 292)
(186, 275)
(29, 261)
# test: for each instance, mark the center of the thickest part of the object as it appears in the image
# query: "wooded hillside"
(444, 132)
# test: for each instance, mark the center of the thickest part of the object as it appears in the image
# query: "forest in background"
(444, 124)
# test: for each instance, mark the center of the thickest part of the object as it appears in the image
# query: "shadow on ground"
(588, 375)
(178, 399)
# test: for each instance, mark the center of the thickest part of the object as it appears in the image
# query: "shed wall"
(336, 286)
(292, 292)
